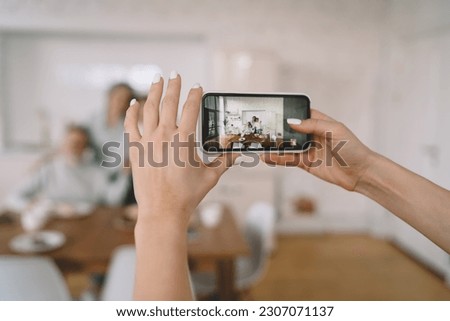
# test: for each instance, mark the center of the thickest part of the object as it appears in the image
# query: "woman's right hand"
(336, 155)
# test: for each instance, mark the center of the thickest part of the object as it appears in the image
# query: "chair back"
(31, 279)
(119, 282)
(259, 230)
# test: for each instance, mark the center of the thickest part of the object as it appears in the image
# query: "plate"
(38, 242)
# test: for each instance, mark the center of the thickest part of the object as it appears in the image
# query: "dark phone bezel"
(288, 149)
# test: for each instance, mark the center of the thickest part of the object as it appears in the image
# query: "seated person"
(71, 179)
(247, 129)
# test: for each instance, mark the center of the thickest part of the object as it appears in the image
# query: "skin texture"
(419, 202)
(355, 154)
(168, 195)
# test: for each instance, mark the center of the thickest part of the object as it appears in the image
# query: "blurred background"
(382, 67)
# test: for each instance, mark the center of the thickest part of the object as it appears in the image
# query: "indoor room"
(72, 71)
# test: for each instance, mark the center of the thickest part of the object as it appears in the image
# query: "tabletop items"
(37, 242)
(86, 244)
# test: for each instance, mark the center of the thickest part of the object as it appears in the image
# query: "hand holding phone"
(253, 122)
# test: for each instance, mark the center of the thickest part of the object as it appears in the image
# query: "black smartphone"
(253, 122)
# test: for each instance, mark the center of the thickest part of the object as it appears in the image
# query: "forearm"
(414, 199)
(161, 264)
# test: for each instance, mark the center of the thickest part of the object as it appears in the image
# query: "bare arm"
(414, 199)
(169, 182)
(161, 260)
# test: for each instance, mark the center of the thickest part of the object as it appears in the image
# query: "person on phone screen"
(167, 196)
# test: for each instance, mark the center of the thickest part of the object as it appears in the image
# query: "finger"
(290, 159)
(191, 109)
(151, 106)
(170, 102)
(223, 162)
(131, 121)
(319, 115)
(317, 127)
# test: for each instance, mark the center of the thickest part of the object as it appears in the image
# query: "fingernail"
(157, 78)
(173, 74)
(196, 85)
(294, 121)
(132, 102)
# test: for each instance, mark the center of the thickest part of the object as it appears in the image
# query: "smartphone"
(253, 122)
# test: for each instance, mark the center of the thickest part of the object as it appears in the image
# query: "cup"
(35, 218)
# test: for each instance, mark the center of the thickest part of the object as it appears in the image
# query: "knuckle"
(149, 106)
(169, 101)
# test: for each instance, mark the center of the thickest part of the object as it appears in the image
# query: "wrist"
(162, 218)
(370, 177)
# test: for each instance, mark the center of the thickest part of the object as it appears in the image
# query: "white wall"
(52, 80)
(414, 110)
(327, 49)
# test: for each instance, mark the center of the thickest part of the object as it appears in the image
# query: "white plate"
(38, 242)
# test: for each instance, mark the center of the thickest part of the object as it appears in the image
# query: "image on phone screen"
(237, 122)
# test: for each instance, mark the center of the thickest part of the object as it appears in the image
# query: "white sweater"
(61, 181)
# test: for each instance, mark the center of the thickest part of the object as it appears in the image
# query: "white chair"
(119, 283)
(259, 232)
(31, 279)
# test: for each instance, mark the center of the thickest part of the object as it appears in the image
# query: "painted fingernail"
(196, 85)
(132, 102)
(157, 78)
(173, 74)
(294, 121)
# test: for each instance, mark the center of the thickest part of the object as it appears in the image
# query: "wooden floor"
(345, 268)
(336, 267)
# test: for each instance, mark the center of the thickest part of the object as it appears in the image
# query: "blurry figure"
(107, 126)
(71, 182)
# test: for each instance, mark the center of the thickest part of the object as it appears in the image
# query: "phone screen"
(237, 122)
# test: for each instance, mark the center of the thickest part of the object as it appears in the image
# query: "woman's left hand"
(169, 177)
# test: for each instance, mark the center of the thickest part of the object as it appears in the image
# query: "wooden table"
(91, 240)
(222, 244)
